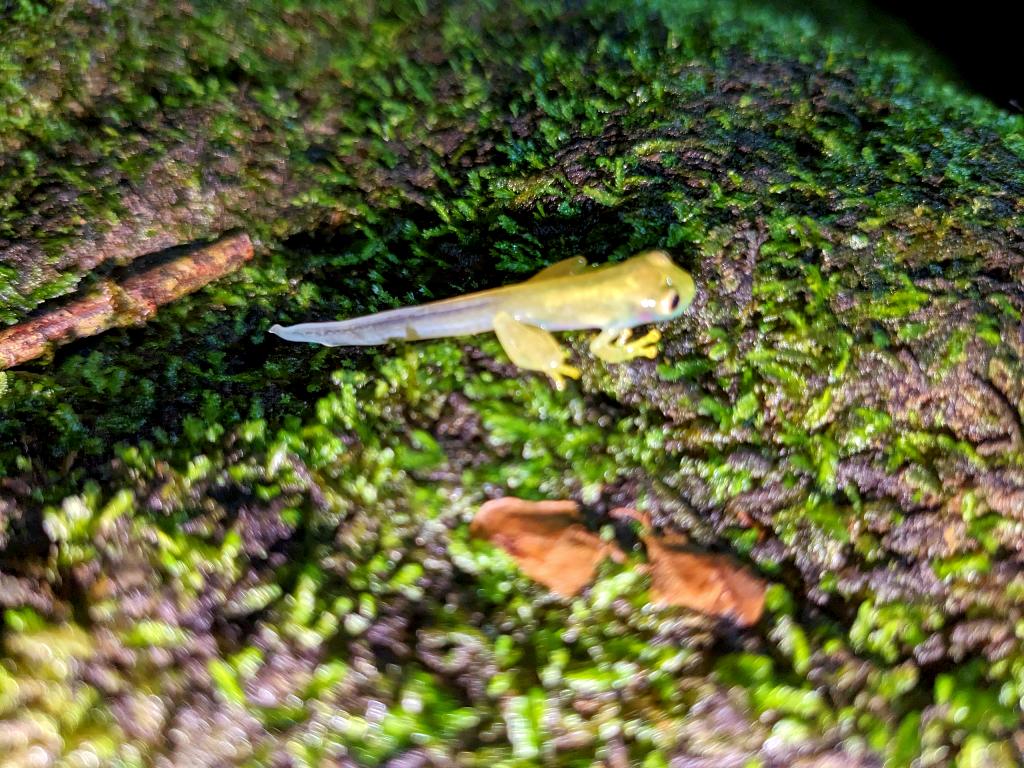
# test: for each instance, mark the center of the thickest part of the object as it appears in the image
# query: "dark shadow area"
(981, 41)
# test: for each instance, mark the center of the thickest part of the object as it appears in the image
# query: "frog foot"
(616, 347)
(562, 371)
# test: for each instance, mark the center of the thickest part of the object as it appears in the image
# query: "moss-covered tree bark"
(220, 549)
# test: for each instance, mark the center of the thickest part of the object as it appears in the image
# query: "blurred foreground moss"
(219, 549)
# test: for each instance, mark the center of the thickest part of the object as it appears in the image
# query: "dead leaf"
(552, 547)
(546, 539)
(709, 583)
(128, 303)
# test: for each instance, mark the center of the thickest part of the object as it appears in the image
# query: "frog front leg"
(533, 349)
(614, 345)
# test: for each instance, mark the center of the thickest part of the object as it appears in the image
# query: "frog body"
(567, 296)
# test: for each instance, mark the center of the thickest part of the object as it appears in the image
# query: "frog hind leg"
(533, 349)
(614, 345)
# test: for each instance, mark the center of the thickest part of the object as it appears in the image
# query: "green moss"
(892, 630)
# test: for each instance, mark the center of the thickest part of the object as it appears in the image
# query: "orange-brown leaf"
(709, 583)
(546, 539)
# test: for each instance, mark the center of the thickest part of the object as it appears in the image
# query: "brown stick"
(132, 302)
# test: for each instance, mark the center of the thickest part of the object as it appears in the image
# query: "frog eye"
(668, 302)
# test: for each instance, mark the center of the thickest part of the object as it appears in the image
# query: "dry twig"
(129, 303)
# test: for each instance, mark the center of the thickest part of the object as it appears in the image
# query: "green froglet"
(567, 296)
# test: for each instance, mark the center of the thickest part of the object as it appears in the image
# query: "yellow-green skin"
(567, 296)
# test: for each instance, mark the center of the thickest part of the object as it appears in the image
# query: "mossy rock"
(220, 549)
